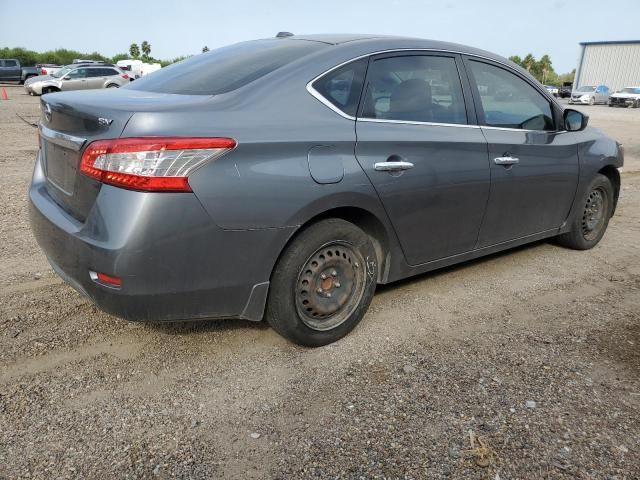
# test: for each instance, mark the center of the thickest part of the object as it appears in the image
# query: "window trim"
(553, 105)
(327, 101)
(465, 81)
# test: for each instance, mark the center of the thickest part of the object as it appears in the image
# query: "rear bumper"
(174, 262)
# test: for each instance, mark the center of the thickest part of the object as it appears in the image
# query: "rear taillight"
(43, 72)
(104, 279)
(151, 164)
(125, 76)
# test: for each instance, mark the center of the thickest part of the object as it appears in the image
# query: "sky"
(175, 28)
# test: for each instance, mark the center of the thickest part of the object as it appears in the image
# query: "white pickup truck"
(48, 68)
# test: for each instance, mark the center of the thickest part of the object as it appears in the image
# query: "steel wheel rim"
(330, 285)
(594, 214)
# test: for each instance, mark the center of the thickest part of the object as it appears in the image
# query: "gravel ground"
(532, 355)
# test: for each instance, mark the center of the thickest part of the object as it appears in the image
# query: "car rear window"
(226, 69)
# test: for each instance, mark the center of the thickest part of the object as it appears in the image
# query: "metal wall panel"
(616, 65)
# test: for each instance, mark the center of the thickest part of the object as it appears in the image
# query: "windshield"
(635, 90)
(62, 72)
(226, 69)
(586, 89)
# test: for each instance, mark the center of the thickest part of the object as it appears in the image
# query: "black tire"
(323, 283)
(590, 222)
(113, 85)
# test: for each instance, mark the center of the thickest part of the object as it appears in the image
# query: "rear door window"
(414, 88)
(226, 69)
(342, 87)
(508, 101)
(10, 63)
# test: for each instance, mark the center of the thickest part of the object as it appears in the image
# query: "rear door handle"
(393, 166)
(506, 160)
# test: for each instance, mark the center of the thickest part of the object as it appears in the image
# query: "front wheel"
(323, 283)
(592, 101)
(590, 223)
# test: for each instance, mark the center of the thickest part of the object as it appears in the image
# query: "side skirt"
(410, 271)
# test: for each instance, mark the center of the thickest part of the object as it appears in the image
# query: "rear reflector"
(105, 279)
(151, 164)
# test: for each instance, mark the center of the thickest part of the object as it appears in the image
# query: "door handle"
(393, 166)
(506, 160)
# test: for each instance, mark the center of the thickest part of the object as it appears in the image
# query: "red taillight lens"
(125, 76)
(152, 164)
(43, 72)
(108, 280)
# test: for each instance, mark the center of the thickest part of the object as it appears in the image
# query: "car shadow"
(191, 327)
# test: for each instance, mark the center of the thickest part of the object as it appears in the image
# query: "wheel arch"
(364, 219)
(612, 173)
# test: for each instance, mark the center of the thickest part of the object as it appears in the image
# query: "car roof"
(92, 65)
(334, 38)
(391, 42)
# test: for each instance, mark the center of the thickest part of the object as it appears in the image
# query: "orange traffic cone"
(4, 95)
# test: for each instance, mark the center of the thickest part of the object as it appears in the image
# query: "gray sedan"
(285, 178)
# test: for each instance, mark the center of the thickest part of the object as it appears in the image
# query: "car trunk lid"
(70, 121)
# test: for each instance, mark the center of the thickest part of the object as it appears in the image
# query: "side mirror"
(574, 121)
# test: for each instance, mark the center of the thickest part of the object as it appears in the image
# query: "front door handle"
(506, 160)
(393, 166)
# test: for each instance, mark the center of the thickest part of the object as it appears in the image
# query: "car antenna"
(284, 34)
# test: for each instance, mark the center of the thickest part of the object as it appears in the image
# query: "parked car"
(590, 95)
(78, 77)
(552, 90)
(12, 71)
(627, 97)
(287, 177)
(565, 90)
(47, 69)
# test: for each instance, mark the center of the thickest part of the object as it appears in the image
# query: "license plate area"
(61, 165)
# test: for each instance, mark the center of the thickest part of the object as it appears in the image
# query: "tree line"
(63, 56)
(542, 69)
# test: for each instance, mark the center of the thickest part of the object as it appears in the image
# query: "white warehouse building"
(615, 64)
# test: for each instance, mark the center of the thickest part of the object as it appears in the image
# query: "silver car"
(590, 95)
(78, 77)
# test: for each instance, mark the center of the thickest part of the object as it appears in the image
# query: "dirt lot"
(536, 351)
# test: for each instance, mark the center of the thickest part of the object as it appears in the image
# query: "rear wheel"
(590, 223)
(323, 283)
(112, 85)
